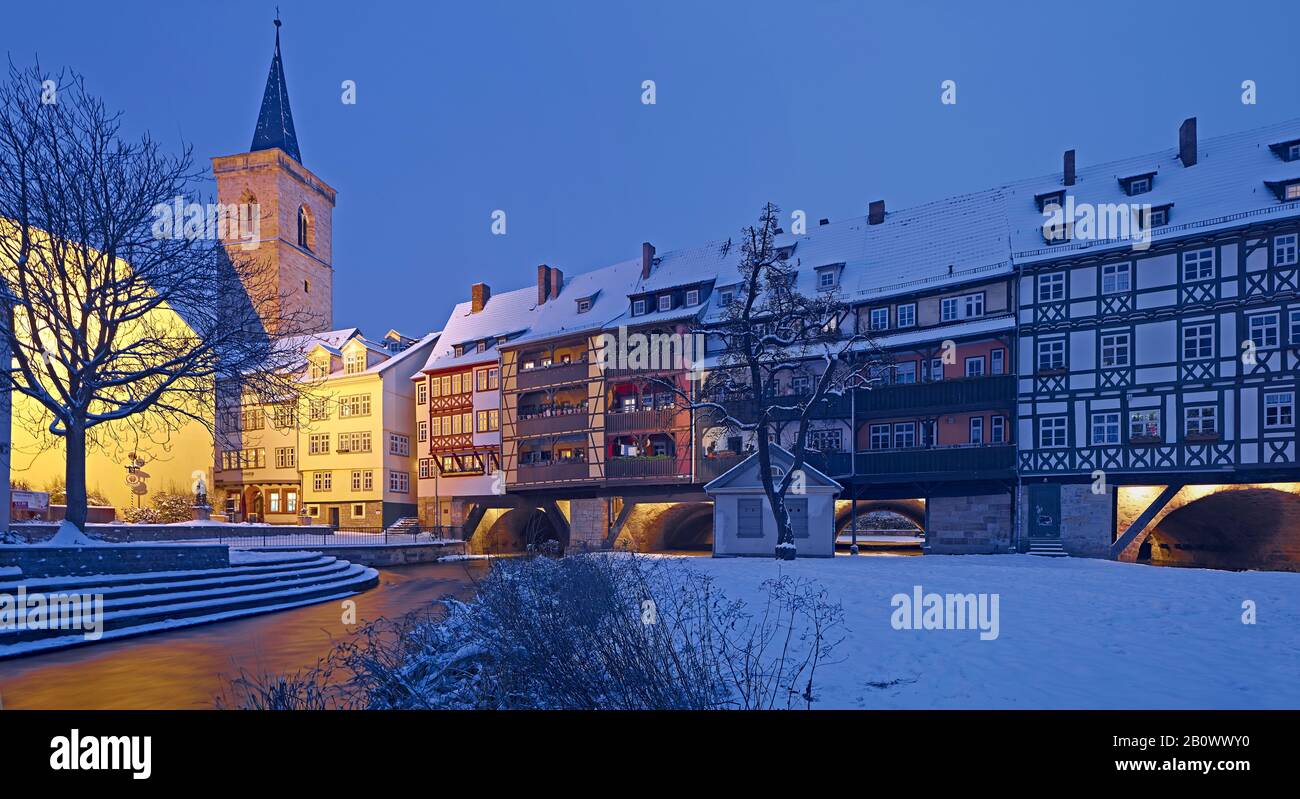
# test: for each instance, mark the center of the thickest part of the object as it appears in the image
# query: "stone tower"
(292, 238)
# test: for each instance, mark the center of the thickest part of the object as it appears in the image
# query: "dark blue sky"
(535, 108)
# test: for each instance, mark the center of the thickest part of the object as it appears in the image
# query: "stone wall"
(384, 554)
(122, 532)
(38, 561)
(588, 524)
(1087, 520)
(968, 525)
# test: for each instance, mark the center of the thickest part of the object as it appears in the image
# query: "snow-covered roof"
(743, 476)
(984, 325)
(607, 288)
(1224, 188)
(507, 313)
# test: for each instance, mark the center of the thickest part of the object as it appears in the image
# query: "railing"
(629, 468)
(745, 408)
(942, 395)
(559, 423)
(707, 468)
(552, 375)
(650, 419)
(262, 535)
(970, 462)
(552, 471)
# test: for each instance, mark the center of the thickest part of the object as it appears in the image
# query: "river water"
(186, 669)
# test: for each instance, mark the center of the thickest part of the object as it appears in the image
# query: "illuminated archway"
(1252, 527)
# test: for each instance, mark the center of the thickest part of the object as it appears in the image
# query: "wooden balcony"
(707, 468)
(746, 408)
(979, 462)
(644, 421)
(547, 425)
(554, 375)
(940, 396)
(552, 472)
(637, 468)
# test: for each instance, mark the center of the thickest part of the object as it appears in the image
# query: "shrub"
(140, 516)
(173, 507)
(608, 631)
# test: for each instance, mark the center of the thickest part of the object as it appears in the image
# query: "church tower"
(294, 210)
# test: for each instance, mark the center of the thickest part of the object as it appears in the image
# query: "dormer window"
(1286, 190)
(1058, 233)
(638, 307)
(481, 347)
(1137, 184)
(692, 297)
(1287, 150)
(459, 349)
(320, 369)
(784, 253)
(726, 296)
(1156, 216)
(584, 305)
(354, 363)
(1050, 198)
(665, 302)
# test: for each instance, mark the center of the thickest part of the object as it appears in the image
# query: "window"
(1105, 429)
(1139, 185)
(1198, 265)
(1051, 288)
(304, 228)
(1051, 431)
(1279, 409)
(318, 444)
(936, 368)
(879, 318)
(948, 309)
(584, 305)
(358, 510)
(274, 499)
(1144, 425)
(243, 459)
(1158, 217)
(399, 482)
(354, 405)
(1293, 191)
(1116, 278)
(906, 315)
(363, 480)
(354, 362)
(421, 393)
(1284, 250)
(322, 481)
(426, 468)
(638, 307)
(489, 421)
(665, 302)
(1051, 198)
(826, 279)
(1263, 330)
(904, 435)
(998, 361)
(975, 366)
(1201, 419)
(354, 442)
(879, 436)
(692, 296)
(1051, 354)
(725, 296)
(1198, 341)
(291, 501)
(977, 430)
(974, 304)
(1293, 152)
(320, 368)
(399, 444)
(422, 430)
(800, 384)
(286, 457)
(1114, 350)
(1295, 327)
(830, 439)
(905, 372)
(998, 430)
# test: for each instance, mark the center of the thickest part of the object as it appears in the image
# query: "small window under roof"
(1138, 184)
(1049, 198)
(1287, 150)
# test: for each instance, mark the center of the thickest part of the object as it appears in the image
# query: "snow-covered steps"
(136, 604)
(1048, 549)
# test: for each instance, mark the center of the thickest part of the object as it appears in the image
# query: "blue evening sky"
(535, 108)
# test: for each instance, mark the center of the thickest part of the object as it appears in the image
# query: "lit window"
(1293, 191)
(1144, 425)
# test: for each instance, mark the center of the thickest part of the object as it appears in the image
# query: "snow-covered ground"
(1073, 633)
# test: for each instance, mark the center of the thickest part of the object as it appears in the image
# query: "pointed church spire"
(275, 122)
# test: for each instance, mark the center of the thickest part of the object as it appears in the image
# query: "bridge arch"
(911, 509)
(662, 526)
(516, 529)
(1231, 527)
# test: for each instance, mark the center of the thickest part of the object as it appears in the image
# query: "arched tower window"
(304, 227)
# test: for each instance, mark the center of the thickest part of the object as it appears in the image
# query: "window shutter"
(750, 521)
(798, 510)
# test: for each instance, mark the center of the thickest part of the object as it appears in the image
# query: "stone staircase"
(1048, 548)
(406, 525)
(146, 602)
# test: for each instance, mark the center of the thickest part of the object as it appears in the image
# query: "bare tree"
(768, 333)
(120, 326)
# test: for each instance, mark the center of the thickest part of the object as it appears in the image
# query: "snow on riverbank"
(1073, 633)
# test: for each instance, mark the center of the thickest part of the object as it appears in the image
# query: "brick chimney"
(1067, 172)
(478, 296)
(647, 259)
(543, 283)
(876, 212)
(1187, 142)
(557, 282)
